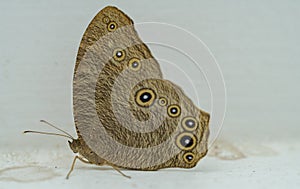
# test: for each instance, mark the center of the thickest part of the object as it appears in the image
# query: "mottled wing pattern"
(124, 110)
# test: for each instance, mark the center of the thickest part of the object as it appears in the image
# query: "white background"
(256, 44)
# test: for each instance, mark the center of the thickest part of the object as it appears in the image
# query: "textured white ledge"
(271, 164)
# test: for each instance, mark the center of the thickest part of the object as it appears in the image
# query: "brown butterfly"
(126, 115)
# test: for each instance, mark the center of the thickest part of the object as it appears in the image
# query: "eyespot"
(112, 26)
(162, 101)
(174, 110)
(145, 97)
(189, 157)
(186, 141)
(134, 64)
(189, 123)
(105, 20)
(119, 54)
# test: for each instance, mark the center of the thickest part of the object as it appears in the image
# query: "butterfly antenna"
(48, 133)
(51, 125)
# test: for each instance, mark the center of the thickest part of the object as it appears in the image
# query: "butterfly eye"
(174, 111)
(134, 64)
(186, 141)
(119, 54)
(145, 97)
(162, 101)
(112, 26)
(189, 157)
(189, 123)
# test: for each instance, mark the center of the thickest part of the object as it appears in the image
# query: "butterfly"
(126, 114)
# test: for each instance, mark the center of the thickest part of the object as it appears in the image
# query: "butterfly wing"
(122, 104)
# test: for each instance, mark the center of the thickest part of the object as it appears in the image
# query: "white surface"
(256, 44)
(267, 165)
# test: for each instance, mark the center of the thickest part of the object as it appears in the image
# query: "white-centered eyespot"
(134, 64)
(189, 123)
(174, 110)
(119, 54)
(189, 157)
(145, 97)
(186, 141)
(112, 26)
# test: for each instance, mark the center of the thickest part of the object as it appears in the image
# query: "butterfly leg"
(73, 164)
(119, 171)
(86, 161)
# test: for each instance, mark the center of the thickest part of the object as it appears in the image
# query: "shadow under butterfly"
(126, 115)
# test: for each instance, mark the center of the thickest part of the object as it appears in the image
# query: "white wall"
(255, 42)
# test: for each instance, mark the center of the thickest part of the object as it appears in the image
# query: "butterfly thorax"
(78, 146)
